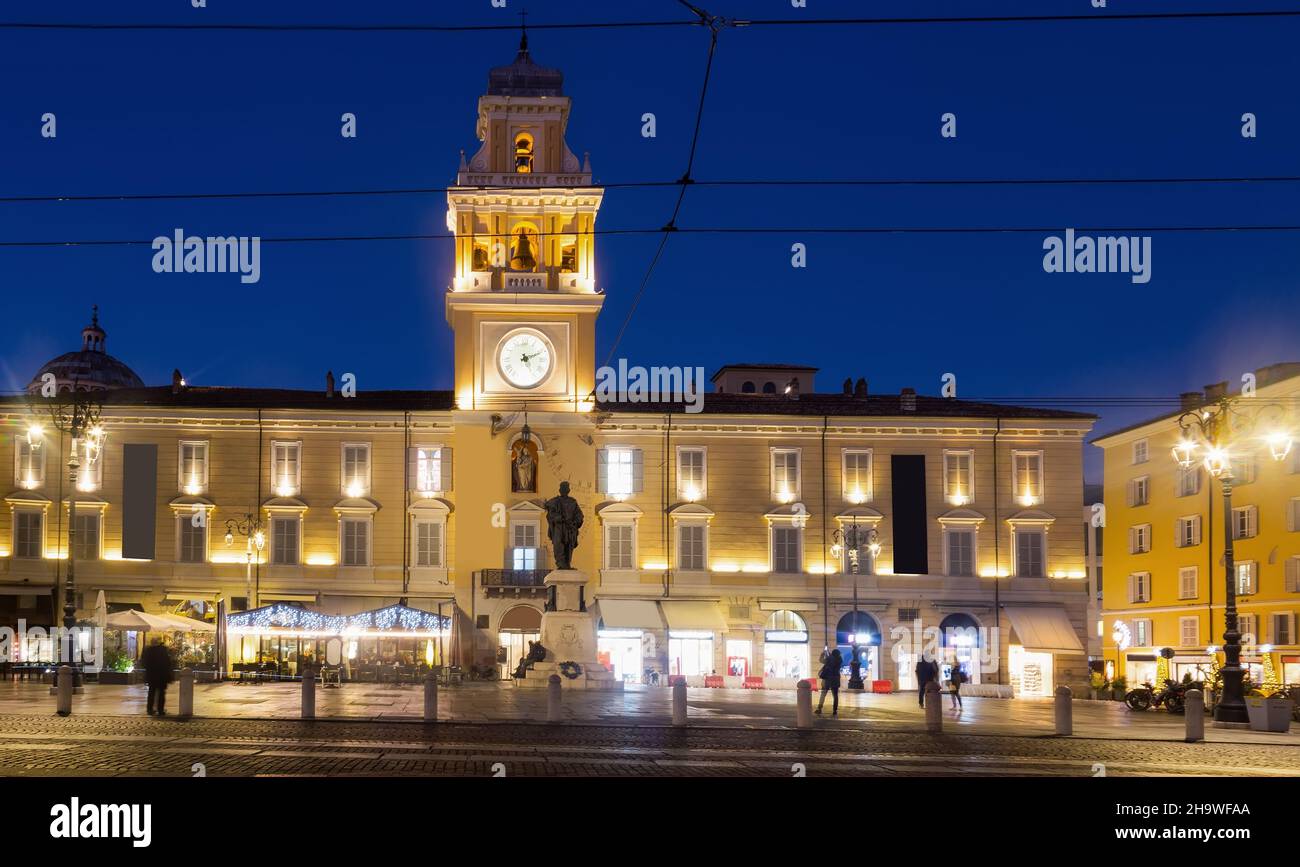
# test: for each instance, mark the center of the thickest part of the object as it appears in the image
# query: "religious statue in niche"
(523, 467)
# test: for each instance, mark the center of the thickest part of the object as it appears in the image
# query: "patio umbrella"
(139, 621)
(222, 637)
(101, 610)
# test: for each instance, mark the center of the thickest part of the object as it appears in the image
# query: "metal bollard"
(803, 715)
(186, 683)
(679, 703)
(431, 697)
(1064, 711)
(64, 685)
(1194, 712)
(309, 693)
(933, 708)
(553, 690)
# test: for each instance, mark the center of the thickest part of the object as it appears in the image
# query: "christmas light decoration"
(391, 620)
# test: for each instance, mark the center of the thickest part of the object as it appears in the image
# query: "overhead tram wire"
(717, 182)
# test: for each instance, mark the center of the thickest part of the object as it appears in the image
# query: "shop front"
(861, 630)
(962, 642)
(693, 630)
(1200, 666)
(1140, 668)
(1045, 642)
(786, 654)
(626, 631)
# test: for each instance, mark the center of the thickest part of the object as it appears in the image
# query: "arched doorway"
(785, 646)
(519, 625)
(961, 639)
(860, 629)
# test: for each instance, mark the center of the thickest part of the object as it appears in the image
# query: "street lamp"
(75, 413)
(254, 540)
(1215, 435)
(852, 539)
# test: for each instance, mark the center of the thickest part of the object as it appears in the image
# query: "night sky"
(189, 112)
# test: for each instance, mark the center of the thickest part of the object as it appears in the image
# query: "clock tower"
(523, 299)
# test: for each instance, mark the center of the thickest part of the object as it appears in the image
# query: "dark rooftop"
(847, 405)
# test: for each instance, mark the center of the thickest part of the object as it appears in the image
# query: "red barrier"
(885, 686)
(713, 680)
(674, 679)
(753, 682)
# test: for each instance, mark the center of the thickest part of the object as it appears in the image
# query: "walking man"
(157, 664)
(955, 680)
(830, 675)
(926, 671)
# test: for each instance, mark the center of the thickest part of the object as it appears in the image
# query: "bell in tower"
(523, 259)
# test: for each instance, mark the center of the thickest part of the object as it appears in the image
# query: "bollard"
(553, 689)
(64, 685)
(187, 694)
(803, 715)
(679, 703)
(308, 693)
(1194, 713)
(1064, 711)
(431, 697)
(933, 708)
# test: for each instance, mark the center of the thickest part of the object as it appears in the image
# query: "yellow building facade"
(716, 541)
(1164, 583)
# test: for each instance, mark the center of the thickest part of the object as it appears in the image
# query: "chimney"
(1190, 400)
(907, 400)
(1216, 391)
(178, 382)
(329, 383)
(848, 385)
(860, 388)
(792, 388)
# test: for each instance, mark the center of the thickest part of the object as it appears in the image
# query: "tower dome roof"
(89, 369)
(524, 77)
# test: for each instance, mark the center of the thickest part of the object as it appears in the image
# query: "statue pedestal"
(569, 635)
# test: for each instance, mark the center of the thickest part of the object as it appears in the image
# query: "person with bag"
(955, 680)
(830, 675)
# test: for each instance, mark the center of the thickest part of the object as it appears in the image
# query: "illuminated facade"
(1164, 581)
(710, 537)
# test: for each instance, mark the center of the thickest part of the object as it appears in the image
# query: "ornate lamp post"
(75, 413)
(254, 540)
(853, 539)
(1215, 435)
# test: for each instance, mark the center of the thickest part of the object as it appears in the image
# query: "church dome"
(90, 369)
(524, 77)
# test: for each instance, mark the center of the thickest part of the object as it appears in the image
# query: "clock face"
(524, 359)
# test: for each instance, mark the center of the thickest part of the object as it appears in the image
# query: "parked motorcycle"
(1172, 697)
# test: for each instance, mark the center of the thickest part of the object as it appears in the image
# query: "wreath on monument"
(571, 670)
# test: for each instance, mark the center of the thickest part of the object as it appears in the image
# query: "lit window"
(785, 475)
(691, 479)
(356, 469)
(428, 470)
(193, 467)
(523, 546)
(286, 475)
(857, 475)
(1141, 633)
(29, 464)
(1027, 486)
(959, 477)
(1247, 577)
(619, 470)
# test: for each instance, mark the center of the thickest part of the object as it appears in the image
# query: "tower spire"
(523, 32)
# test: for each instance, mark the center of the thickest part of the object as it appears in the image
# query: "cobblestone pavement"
(92, 745)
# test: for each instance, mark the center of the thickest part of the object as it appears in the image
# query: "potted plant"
(1119, 688)
(1269, 712)
(118, 669)
(1098, 685)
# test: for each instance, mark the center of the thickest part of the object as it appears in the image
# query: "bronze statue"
(563, 519)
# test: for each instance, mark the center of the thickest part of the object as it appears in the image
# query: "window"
(1188, 581)
(1139, 491)
(620, 546)
(785, 475)
(1295, 460)
(87, 528)
(691, 477)
(1030, 545)
(1140, 452)
(428, 470)
(1245, 522)
(1283, 627)
(29, 535)
(1189, 481)
(856, 475)
(523, 550)
(29, 464)
(1248, 626)
(428, 540)
(619, 471)
(691, 542)
(769, 388)
(1244, 469)
(1139, 539)
(1139, 587)
(1141, 633)
(90, 476)
(787, 543)
(958, 477)
(1027, 481)
(1293, 515)
(285, 535)
(961, 552)
(1293, 574)
(286, 468)
(1188, 531)
(747, 387)
(1189, 631)
(192, 541)
(355, 542)
(1247, 577)
(193, 467)
(356, 469)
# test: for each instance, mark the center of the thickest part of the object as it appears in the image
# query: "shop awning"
(702, 616)
(1044, 628)
(629, 614)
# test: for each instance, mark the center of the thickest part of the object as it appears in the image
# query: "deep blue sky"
(219, 112)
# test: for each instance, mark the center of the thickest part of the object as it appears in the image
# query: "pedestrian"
(926, 671)
(157, 662)
(955, 680)
(830, 675)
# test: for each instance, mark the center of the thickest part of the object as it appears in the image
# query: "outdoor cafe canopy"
(393, 621)
(139, 621)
